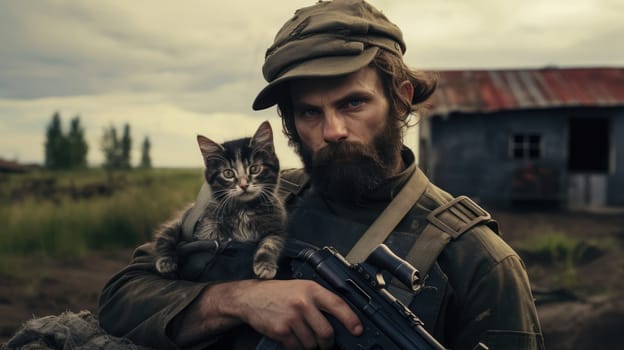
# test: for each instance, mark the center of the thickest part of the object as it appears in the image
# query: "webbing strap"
(203, 198)
(444, 224)
(292, 182)
(389, 218)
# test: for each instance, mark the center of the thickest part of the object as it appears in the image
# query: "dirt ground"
(574, 315)
(55, 286)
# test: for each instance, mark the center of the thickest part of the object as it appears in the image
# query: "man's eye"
(228, 173)
(353, 103)
(255, 169)
(308, 113)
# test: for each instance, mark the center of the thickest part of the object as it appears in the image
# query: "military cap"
(330, 38)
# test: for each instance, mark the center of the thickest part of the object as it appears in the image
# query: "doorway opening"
(588, 145)
(588, 161)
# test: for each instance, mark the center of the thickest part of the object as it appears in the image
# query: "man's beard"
(347, 170)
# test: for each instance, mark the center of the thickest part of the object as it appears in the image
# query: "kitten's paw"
(265, 270)
(166, 265)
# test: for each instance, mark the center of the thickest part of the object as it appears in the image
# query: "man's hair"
(393, 72)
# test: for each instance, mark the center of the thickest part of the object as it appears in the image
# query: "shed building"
(518, 136)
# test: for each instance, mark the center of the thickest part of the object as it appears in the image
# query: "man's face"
(348, 143)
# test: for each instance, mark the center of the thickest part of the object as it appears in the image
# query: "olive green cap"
(327, 39)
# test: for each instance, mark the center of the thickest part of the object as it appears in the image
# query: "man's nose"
(334, 128)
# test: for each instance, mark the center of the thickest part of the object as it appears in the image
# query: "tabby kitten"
(243, 177)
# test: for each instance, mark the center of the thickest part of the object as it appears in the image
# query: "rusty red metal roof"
(482, 91)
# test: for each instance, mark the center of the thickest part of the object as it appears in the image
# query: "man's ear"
(406, 89)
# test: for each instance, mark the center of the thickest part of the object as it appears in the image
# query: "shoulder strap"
(445, 223)
(389, 218)
(292, 182)
(450, 220)
(190, 220)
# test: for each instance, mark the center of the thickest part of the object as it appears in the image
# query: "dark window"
(525, 146)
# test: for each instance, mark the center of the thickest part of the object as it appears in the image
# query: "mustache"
(346, 152)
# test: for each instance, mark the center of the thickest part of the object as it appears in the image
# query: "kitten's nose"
(243, 184)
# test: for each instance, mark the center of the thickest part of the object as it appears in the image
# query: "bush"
(561, 250)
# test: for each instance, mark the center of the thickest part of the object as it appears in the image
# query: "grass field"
(69, 213)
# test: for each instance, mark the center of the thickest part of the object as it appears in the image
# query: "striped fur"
(243, 176)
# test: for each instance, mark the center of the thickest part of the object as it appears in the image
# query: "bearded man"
(345, 95)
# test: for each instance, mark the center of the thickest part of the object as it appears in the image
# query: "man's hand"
(290, 313)
(286, 311)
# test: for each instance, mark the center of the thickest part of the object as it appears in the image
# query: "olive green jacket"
(478, 291)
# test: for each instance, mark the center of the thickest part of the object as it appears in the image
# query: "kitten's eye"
(228, 173)
(255, 169)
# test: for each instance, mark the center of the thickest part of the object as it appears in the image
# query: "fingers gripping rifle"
(388, 323)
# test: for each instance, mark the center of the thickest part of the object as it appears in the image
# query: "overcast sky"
(175, 69)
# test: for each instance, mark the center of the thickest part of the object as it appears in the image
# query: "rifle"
(388, 323)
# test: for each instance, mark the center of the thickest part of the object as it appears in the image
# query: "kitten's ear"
(208, 147)
(263, 137)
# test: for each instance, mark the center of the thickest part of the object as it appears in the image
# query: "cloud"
(63, 48)
(499, 34)
(173, 69)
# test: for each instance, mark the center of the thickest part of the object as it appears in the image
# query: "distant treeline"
(69, 150)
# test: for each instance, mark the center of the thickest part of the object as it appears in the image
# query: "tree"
(146, 160)
(56, 145)
(78, 147)
(116, 150)
(65, 151)
(126, 146)
(111, 148)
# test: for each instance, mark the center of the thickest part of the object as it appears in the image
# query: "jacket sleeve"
(501, 311)
(493, 303)
(139, 304)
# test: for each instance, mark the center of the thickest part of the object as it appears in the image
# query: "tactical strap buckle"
(458, 216)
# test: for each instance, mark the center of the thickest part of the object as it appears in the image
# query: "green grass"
(36, 222)
(563, 251)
